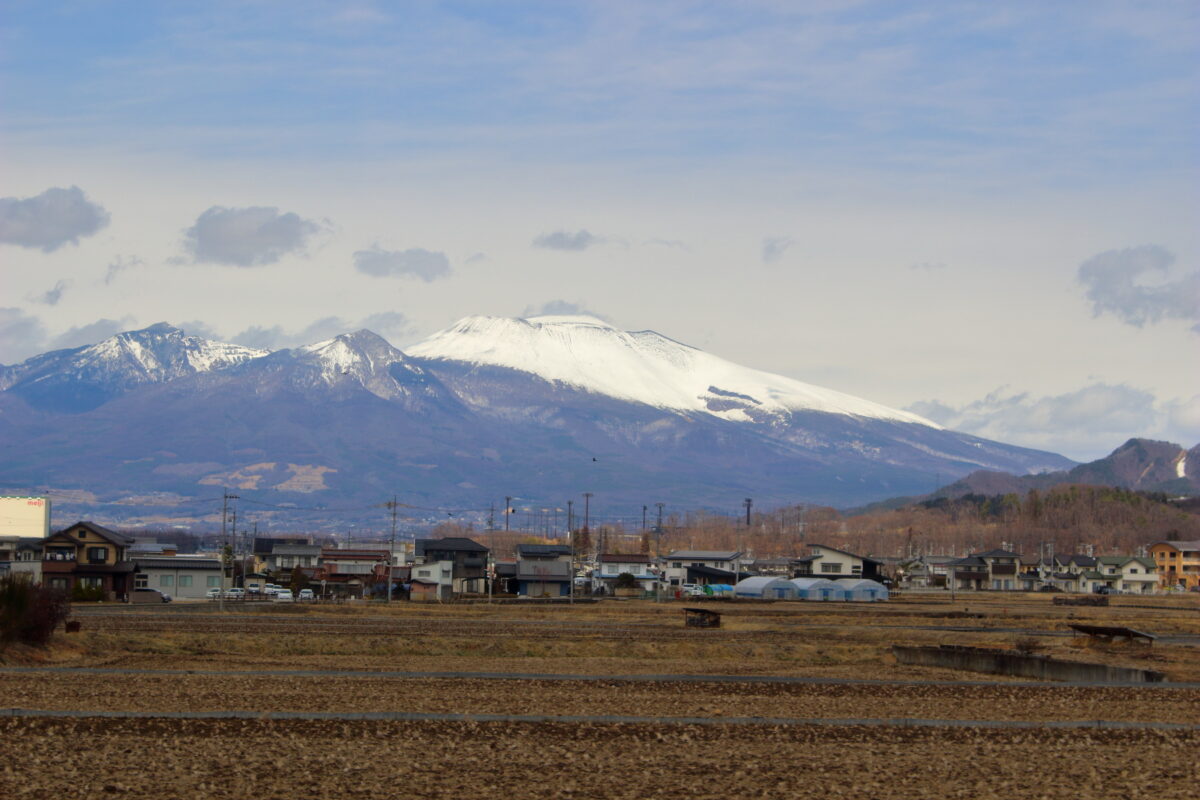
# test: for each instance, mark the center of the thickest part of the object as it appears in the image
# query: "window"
(214, 581)
(166, 580)
(141, 581)
(185, 580)
(91, 583)
(58, 583)
(832, 567)
(677, 564)
(422, 573)
(97, 555)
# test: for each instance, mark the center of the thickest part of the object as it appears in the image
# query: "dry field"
(615, 699)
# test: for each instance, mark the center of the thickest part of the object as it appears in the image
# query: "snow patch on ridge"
(641, 366)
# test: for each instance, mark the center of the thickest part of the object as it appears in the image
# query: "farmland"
(615, 699)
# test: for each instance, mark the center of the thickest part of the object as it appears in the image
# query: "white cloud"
(247, 237)
(91, 333)
(276, 338)
(391, 325)
(424, 264)
(50, 220)
(388, 324)
(1084, 424)
(21, 335)
(119, 265)
(51, 296)
(561, 308)
(576, 241)
(773, 248)
(1112, 281)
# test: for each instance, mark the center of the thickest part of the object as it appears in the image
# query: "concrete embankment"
(1022, 665)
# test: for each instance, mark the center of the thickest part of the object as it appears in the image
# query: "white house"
(610, 566)
(702, 566)
(829, 562)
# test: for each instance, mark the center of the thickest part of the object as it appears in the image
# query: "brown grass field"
(696, 738)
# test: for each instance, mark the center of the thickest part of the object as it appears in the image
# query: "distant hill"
(1140, 464)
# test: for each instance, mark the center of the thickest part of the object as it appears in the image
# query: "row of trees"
(1067, 519)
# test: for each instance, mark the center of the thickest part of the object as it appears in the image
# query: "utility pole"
(747, 503)
(234, 552)
(507, 512)
(224, 543)
(570, 515)
(587, 515)
(643, 517)
(392, 548)
(658, 555)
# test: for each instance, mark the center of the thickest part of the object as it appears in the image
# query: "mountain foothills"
(149, 425)
(1141, 464)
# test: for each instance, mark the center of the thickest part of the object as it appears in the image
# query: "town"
(91, 562)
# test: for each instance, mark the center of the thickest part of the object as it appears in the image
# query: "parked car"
(306, 594)
(236, 593)
(271, 589)
(1104, 590)
(254, 587)
(149, 596)
(213, 593)
(284, 596)
(1049, 588)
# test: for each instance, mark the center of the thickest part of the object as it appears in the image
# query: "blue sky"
(892, 199)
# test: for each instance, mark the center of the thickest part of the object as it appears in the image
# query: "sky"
(985, 213)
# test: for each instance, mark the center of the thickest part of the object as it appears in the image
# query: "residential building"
(21, 555)
(610, 566)
(703, 566)
(350, 571)
(182, 577)
(1178, 563)
(1128, 574)
(925, 572)
(469, 559)
(995, 569)
(544, 570)
(831, 563)
(286, 557)
(88, 556)
(432, 581)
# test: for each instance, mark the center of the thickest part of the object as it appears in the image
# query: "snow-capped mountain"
(544, 408)
(345, 364)
(82, 378)
(640, 366)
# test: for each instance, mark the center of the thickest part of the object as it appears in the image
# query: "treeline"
(1065, 519)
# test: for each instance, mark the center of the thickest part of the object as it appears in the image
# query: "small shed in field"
(765, 587)
(817, 589)
(863, 590)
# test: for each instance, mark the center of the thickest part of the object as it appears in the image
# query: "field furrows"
(188, 692)
(282, 759)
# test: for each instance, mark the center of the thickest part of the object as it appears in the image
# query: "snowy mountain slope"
(632, 417)
(344, 365)
(83, 378)
(640, 366)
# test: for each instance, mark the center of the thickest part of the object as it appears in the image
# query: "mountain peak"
(640, 366)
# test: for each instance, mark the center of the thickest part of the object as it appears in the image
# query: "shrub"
(28, 613)
(83, 594)
(626, 581)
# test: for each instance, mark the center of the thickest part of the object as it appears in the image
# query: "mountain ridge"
(341, 422)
